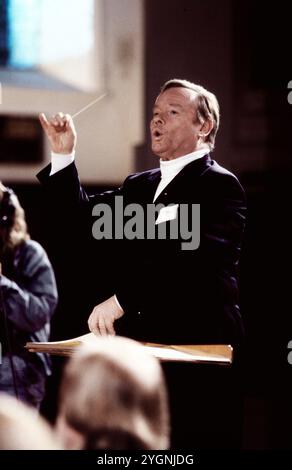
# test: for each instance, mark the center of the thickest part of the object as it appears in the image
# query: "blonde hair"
(21, 428)
(13, 235)
(114, 394)
(207, 105)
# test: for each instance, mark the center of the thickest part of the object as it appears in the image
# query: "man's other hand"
(103, 316)
(61, 132)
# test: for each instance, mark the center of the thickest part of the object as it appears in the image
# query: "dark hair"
(7, 209)
(207, 105)
(13, 228)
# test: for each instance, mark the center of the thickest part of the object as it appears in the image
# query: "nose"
(157, 119)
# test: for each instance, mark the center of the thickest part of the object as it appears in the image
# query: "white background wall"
(109, 131)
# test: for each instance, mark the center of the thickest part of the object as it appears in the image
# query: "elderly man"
(170, 284)
(172, 294)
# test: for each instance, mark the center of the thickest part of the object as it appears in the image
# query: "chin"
(154, 150)
(157, 150)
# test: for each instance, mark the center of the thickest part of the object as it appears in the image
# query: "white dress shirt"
(171, 168)
(59, 161)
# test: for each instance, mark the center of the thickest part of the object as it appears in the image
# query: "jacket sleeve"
(31, 301)
(66, 193)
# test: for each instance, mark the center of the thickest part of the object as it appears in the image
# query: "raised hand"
(61, 132)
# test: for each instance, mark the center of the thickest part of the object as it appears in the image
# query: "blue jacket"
(30, 298)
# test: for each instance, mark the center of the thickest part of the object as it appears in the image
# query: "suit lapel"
(187, 175)
(153, 180)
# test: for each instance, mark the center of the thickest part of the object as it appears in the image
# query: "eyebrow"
(177, 105)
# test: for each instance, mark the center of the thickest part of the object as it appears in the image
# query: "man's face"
(174, 126)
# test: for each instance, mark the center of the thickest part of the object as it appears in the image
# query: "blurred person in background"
(28, 297)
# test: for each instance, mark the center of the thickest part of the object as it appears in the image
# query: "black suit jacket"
(172, 295)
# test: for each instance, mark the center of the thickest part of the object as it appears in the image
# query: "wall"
(239, 49)
(108, 132)
(226, 47)
(192, 40)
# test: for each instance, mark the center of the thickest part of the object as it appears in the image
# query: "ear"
(206, 128)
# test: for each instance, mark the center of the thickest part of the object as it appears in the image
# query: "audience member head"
(113, 396)
(21, 428)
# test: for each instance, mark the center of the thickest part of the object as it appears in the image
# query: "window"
(51, 36)
(39, 32)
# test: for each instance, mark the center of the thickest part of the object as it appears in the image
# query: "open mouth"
(157, 134)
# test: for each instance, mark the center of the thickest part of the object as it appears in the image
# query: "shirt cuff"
(118, 303)
(60, 161)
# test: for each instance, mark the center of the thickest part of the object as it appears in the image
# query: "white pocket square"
(167, 213)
